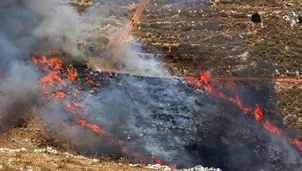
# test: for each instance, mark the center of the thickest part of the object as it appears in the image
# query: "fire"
(55, 63)
(258, 113)
(89, 80)
(60, 94)
(272, 128)
(78, 104)
(70, 108)
(53, 81)
(51, 78)
(158, 161)
(125, 150)
(296, 142)
(76, 108)
(142, 157)
(71, 74)
(40, 60)
(204, 81)
(98, 130)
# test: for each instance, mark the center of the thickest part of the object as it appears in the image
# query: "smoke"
(123, 55)
(24, 24)
(34, 27)
(18, 95)
(60, 23)
(176, 123)
(125, 58)
(160, 117)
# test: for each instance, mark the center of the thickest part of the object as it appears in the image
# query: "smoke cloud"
(34, 26)
(24, 25)
(18, 95)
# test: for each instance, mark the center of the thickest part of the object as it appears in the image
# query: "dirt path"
(136, 17)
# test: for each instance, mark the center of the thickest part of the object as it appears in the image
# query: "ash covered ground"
(162, 117)
(181, 125)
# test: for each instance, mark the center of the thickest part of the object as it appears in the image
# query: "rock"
(200, 168)
(277, 72)
(293, 23)
(297, 73)
(51, 150)
(158, 166)
(286, 18)
(294, 14)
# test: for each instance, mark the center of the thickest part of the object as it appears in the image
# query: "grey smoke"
(18, 95)
(25, 24)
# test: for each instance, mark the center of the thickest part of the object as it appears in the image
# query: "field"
(187, 37)
(219, 37)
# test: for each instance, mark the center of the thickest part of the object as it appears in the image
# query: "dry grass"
(29, 159)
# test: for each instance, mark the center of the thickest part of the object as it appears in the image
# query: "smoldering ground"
(164, 118)
(181, 125)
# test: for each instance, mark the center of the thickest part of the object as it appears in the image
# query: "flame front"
(205, 82)
(53, 83)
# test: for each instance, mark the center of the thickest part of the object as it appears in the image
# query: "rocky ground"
(51, 159)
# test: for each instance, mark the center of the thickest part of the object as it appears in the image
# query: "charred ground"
(219, 37)
(189, 37)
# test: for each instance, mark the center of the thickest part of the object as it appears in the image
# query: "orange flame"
(205, 82)
(258, 113)
(98, 130)
(158, 161)
(60, 94)
(71, 74)
(272, 128)
(53, 81)
(51, 78)
(55, 63)
(89, 80)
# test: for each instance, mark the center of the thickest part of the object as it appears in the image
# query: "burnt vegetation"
(180, 120)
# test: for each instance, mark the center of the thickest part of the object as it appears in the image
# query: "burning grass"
(53, 84)
(84, 114)
(156, 120)
(221, 38)
(257, 111)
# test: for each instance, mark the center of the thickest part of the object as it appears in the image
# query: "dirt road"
(135, 18)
